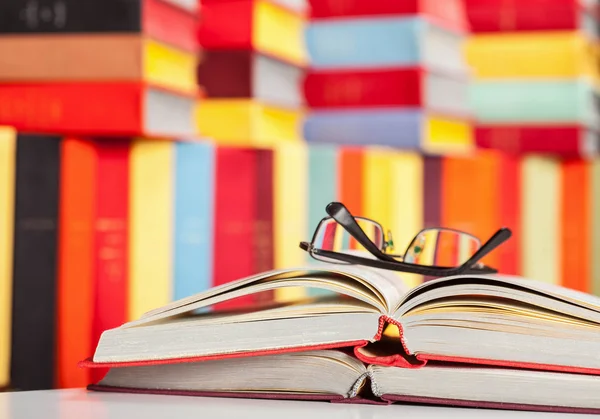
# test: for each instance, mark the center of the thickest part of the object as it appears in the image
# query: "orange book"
(75, 261)
(576, 225)
(471, 197)
(351, 171)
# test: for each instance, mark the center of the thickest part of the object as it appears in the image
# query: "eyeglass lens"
(441, 247)
(333, 237)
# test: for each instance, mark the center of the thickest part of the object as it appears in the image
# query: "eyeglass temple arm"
(342, 215)
(496, 240)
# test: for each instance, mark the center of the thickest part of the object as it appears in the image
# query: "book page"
(381, 289)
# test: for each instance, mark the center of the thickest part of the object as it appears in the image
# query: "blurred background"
(150, 149)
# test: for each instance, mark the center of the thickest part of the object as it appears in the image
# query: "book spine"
(594, 191)
(7, 217)
(170, 24)
(56, 107)
(450, 13)
(35, 262)
(499, 16)
(226, 25)
(402, 87)
(75, 294)
(235, 207)
(193, 229)
(363, 43)
(150, 225)
(70, 16)
(509, 179)
(351, 167)
(263, 225)
(564, 141)
(576, 229)
(226, 74)
(400, 128)
(110, 239)
(432, 195)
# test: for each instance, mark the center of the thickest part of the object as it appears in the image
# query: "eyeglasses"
(343, 238)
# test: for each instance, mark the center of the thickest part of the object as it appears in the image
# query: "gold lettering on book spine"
(112, 244)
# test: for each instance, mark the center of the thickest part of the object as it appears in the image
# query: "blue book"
(193, 229)
(383, 42)
(401, 128)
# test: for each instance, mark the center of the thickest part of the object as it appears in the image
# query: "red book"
(518, 15)
(124, 109)
(508, 182)
(410, 87)
(235, 209)
(449, 13)
(350, 175)
(559, 140)
(170, 24)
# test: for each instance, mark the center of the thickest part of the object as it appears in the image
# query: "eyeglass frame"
(339, 213)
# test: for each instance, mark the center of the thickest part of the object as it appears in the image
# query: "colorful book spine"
(35, 262)
(594, 191)
(193, 211)
(7, 218)
(151, 194)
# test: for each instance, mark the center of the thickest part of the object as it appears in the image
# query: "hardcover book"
(449, 13)
(163, 20)
(245, 74)
(97, 58)
(515, 102)
(541, 55)
(535, 15)
(391, 41)
(257, 25)
(393, 344)
(408, 129)
(390, 87)
(115, 109)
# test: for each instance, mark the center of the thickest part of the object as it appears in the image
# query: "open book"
(336, 376)
(486, 320)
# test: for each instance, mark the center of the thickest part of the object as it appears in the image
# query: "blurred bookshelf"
(151, 149)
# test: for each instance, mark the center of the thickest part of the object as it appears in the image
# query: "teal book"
(322, 188)
(193, 224)
(535, 101)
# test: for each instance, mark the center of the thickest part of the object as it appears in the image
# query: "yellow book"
(406, 196)
(151, 214)
(169, 67)
(290, 215)
(444, 135)
(377, 186)
(595, 223)
(279, 32)
(547, 54)
(7, 199)
(246, 122)
(540, 223)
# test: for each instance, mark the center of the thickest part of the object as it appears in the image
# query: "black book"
(35, 262)
(70, 16)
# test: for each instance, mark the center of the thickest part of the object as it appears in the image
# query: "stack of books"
(390, 74)
(99, 190)
(114, 67)
(535, 94)
(252, 63)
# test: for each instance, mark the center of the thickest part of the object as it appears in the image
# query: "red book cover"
(111, 109)
(518, 15)
(235, 209)
(509, 185)
(567, 141)
(386, 87)
(449, 13)
(170, 24)
(351, 169)
(226, 24)
(110, 238)
(576, 228)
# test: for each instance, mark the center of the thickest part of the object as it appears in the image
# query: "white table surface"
(81, 404)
